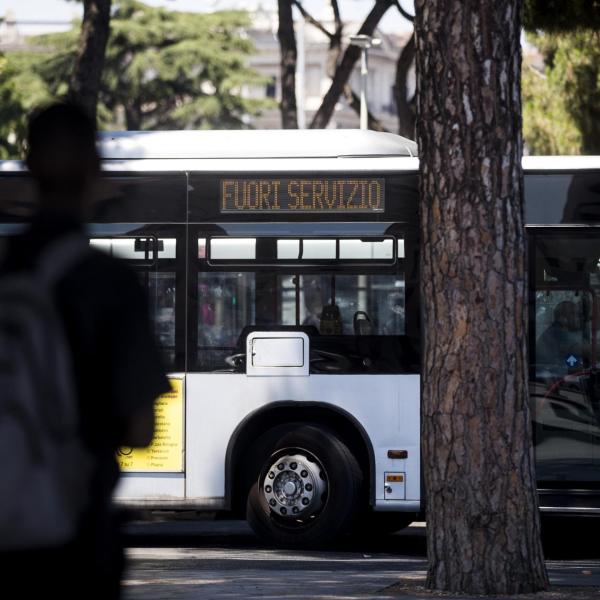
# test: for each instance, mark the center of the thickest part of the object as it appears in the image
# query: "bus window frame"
(141, 263)
(300, 262)
(342, 267)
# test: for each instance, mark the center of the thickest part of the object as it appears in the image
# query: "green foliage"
(10, 111)
(167, 69)
(163, 70)
(21, 90)
(561, 107)
(561, 16)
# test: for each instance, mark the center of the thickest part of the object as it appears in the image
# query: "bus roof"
(253, 143)
(272, 150)
(560, 163)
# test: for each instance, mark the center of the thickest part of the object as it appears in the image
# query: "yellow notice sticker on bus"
(165, 453)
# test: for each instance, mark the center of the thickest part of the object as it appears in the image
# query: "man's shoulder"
(102, 277)
(106, 264)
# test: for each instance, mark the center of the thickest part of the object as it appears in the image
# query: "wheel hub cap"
(289, 489)
(294, 486)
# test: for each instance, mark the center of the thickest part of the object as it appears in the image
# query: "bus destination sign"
(319, 195)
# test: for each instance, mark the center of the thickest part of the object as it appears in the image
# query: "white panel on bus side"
(277, 353)
(387, 407)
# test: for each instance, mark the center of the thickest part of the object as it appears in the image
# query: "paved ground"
(223, 560)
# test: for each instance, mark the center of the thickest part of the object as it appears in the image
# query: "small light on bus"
(397, 454)
(394, 478)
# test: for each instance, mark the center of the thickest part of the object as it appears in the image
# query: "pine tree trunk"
(133, 117)
(84, 85)
(483, 533)
(287, 44)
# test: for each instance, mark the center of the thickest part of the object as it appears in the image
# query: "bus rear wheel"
(307, 490)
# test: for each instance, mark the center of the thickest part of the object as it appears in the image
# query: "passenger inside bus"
(561, 346)
(331, 320)
(313, 302)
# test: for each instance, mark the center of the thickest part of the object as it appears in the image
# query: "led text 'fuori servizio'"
(303, 195)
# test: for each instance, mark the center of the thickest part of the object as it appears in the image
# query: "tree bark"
(84, 84)
(287, 43)
(405, 108)
(344, 70)
(483, 532)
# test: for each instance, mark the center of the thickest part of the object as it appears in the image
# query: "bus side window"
(145, 254)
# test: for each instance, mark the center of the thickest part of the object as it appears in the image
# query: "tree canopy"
(561, 104)
(164, 69)
(21, 90)
(559, 16)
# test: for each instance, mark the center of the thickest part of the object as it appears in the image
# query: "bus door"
(156, 253)
(154, 257)
(140, 217)
(565, 366)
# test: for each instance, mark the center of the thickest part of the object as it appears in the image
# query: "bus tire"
(307, 491)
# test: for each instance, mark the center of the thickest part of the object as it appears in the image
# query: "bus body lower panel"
(175, 504)
(216, 404)
(157, 486)
(384, 405)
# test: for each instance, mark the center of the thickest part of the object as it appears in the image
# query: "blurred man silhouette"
(117, 369)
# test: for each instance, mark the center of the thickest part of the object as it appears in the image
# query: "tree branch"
(342, 73)
(335, 42)
(336, 14)
(353, 100)
(308, 17)
(287, 42)
(406, 113)
(403, 12)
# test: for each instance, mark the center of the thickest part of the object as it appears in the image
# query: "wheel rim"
(295, 485)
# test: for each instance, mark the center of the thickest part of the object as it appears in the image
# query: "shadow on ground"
(165, 532)
(563, 538)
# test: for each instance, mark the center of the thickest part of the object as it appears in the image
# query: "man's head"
(567, 315)
(312, 296)
(62, 156)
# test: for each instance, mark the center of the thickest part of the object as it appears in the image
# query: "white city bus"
(282, 268)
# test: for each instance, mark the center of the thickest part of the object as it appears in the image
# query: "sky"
(63, 10)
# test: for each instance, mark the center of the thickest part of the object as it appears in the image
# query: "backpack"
(45, 468)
